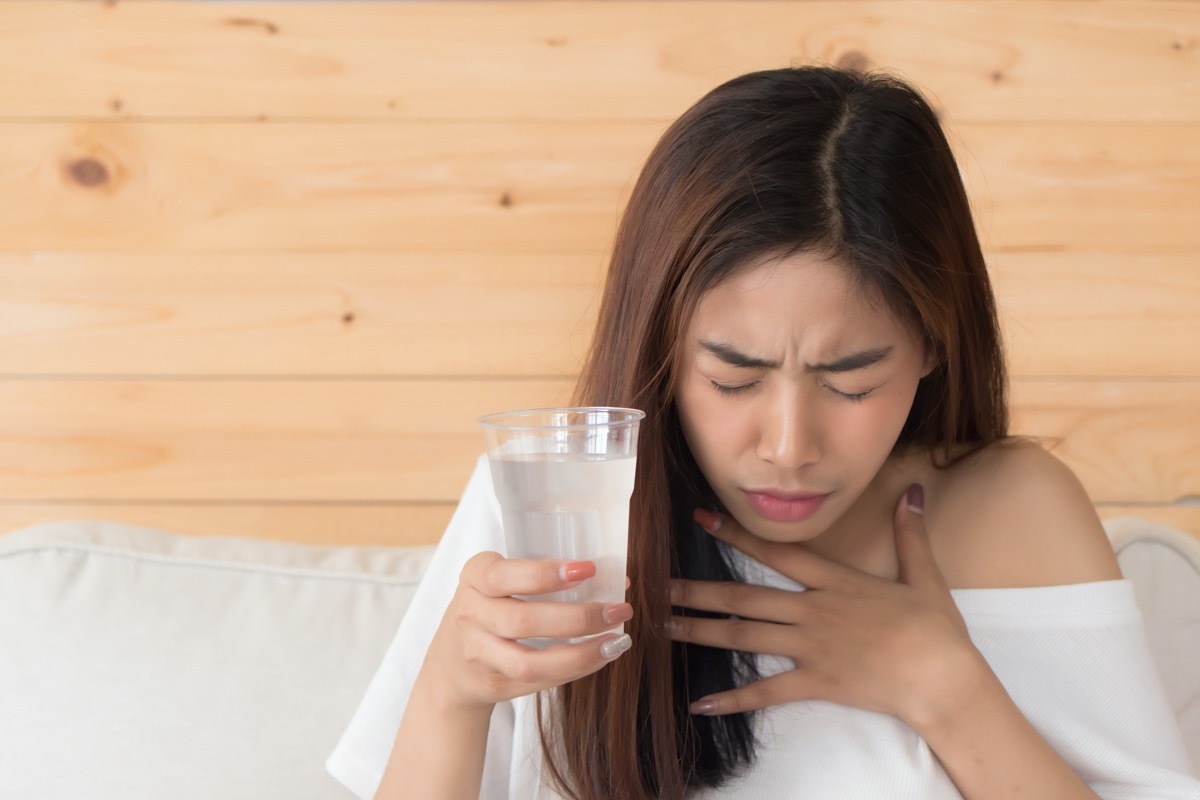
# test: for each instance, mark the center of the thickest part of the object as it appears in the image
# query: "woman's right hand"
(475, 659)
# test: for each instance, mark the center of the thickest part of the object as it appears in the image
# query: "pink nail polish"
(617, 613)
(705, 706)
(576, 570)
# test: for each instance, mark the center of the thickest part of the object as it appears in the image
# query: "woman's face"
(793, 390)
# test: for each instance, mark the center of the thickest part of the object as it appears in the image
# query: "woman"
(846, 579)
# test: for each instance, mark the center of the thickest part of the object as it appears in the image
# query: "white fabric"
(1164, 566)
(1074, 658)
(139, 664)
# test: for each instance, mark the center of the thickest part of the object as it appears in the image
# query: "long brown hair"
(855, 167)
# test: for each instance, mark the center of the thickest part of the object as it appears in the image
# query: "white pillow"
(142, 664)
(1164, 566)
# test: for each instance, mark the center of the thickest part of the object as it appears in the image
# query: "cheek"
(695, 417)
(875, 424)
(709, 424)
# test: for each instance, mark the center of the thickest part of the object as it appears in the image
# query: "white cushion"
(1164, 566)
(142, 664)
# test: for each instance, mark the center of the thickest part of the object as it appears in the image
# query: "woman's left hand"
(896, 647)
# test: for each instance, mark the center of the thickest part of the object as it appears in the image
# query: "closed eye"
(854, 398)
(729, 391)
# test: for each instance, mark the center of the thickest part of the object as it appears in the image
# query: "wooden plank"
(414, 441)
(285, 313)
(521, 186)
(377, 525)
(1099, 314)
(1113, 61)
(499, 314)
(304, 186)
(1065, 187)
(1128, 441)
(285, 440)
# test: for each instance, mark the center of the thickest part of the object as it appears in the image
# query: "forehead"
(801, 292)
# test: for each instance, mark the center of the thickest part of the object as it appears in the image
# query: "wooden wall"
(263, 264)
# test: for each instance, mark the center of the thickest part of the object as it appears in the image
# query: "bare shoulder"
(1014, 515)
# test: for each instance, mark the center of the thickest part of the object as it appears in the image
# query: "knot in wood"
(854, 60)
(89, 172)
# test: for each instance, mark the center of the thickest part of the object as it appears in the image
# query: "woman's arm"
(475, 662)
(901, 647)
(412, 726)
(1074, 656)
(898, 648)
(439, 749)
(987, 746)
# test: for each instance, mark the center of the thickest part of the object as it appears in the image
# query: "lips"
(785, 506)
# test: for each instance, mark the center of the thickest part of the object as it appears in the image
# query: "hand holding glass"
(564, 477)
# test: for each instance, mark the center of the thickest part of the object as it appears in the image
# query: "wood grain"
(306, 313)
(305, 186)
(1128, 441)
(375, 525)
(1111, 61)
(499, 314)
(263, 264)
(253, 440)
(521, 186)
(1099, 314)
(416, 440)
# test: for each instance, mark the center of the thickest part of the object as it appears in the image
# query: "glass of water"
(564, 477)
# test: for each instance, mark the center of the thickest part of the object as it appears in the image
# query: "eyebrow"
(849, 363)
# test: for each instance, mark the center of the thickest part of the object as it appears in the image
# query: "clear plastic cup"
(564, 477)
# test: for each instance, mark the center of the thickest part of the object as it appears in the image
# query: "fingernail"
(705, 706)
(676, 592)
(916, 498)
(614, 647)
(670, 626)
(707, 519)
(617, 613)
(575, 570)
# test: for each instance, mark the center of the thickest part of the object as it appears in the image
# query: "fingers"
(562, 663)
(793, 560)
(493, 575)
(738, 599)
(478, 647)
(913, 553)
(491, 607)
(511, 669)
(735, 634)
(786, 687)
(528, 619)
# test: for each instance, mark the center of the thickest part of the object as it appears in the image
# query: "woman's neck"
(864, 537)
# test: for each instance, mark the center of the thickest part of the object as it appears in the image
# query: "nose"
(789, 433)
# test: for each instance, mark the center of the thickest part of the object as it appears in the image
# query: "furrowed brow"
(862, 360)
(735, 357)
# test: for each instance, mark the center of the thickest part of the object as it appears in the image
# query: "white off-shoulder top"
(1073, 658)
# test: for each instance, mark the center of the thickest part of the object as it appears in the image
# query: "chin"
(783, 532)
